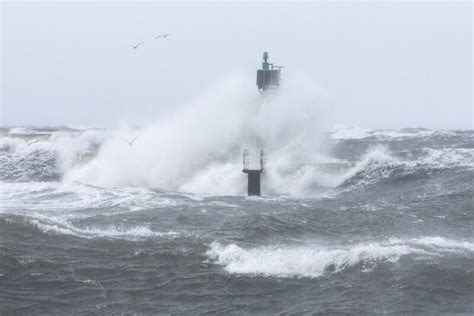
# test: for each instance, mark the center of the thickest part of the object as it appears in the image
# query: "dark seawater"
(389, 231)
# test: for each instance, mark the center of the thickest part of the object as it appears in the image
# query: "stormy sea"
(156, 219)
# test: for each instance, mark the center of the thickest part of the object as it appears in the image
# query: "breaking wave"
(61, 226)
(31, 196)
(314, 261)
(342, 132)
(199, 149)
(103, 159)
(379, 163)
(46, 155)
(94, 232)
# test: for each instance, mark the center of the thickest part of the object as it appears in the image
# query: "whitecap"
(315, 260)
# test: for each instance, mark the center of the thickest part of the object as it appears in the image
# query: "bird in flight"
(163, 35)
(31, 143)
(130, 142)
(137, 45)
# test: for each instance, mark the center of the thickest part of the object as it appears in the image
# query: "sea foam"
(315, 260)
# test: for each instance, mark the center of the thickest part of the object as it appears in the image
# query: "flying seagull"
(130, 142)
(163, 35)
(31, 143)
(137, 45)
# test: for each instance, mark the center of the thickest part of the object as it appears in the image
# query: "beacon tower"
(268, 78)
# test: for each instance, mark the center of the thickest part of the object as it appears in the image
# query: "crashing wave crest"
(198, 149)
(314, 261)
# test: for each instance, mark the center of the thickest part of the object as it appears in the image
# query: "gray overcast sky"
(389, 65)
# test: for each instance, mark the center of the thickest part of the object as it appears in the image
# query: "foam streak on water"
(313, 260)
(352, 220)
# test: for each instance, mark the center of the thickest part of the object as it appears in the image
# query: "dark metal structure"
(253, 187)
(269, 76)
